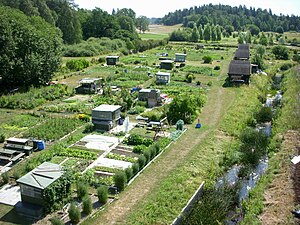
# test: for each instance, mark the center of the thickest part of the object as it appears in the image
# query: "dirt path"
(150, 179)
(281, 196)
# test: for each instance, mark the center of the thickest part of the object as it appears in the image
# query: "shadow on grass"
(12, 217)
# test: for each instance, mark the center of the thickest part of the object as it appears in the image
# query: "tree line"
(77, 24)
(233, 18)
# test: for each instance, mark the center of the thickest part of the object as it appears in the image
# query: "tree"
(30, 49)
(263, 39)
(195, 34)
(126, 12)
(254, 30)
(248, 37)
(279, 30)
(200, 32)
(229, 29)
(142, 23)
(207, 33)
(280, 52)
(218, 33)
(82, 190)
(213, 33)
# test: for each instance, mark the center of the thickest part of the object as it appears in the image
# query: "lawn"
(153, 36)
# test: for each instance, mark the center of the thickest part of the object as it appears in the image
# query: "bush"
(102, 193)
(5, 177)
(74, 214)
(280, 52)
(120, 180)
(207, 59)
(139, 148)
(136, 110)
(89, 127)
(77, 64)
(153, 151)
(56, 221)
(209, 83)
(217, 68)
(142, 161)
(147, 155)
(135, 168)
(82, 190)
(87, 207)
(136, 139)
(286, 66)
(265, 114)
(129, 173)
(2, 138)
(16, 175)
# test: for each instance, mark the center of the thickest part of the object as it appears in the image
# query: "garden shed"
(239, 71)
(20, 145)
(179, 57)
(106, 117)
(36, 181)
(112, 60)
(89, 86)
(243, 52)
(167, 64)
(163, 78)
(151, 96)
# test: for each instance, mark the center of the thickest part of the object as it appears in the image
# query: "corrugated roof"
(238, 67)
(166, 61)
(19, 140)
(42, 176)
(107, 108)
(88, 80)
(112, 56)
(242, 54)
(244, 46)
(181, 54)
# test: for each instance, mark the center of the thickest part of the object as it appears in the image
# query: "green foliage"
(136, 110)
(5, 177)
(30, 49)
(55, 194)
(120, 180)
(181, 35)
(142, 161)
(207, 59)
(147, 155)
(74, 213)
(139, 148)
(254, 30)
(286, 66)
(2, 138)
(35, 97)
(185, 107)
(265, 114)
(82, 190)
(129, 173)
(254, 145)
(102, 192)
(142, 23)
(197, 69)
(213, 206)
(120, 157)
(89, 127)
(77, 64)
(281, 52)
(217, 68)
(135, 139)
(87, 207)
(53, 128)
(135, 168)
(195, 34)
(56, 221)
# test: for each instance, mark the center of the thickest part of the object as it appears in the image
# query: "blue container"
(41, 145)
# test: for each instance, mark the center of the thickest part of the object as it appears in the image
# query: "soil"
(283, 194)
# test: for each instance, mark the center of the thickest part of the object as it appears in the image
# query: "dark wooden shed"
(243, 52)
(239, 71)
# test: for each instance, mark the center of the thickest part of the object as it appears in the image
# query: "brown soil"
(283, 194)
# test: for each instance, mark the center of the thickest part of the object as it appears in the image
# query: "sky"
(159, 8)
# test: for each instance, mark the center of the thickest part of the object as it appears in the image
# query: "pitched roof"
(238, 67)
(243, 52)
(42, 176)
(163, 74)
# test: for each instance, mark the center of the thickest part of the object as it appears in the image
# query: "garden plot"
(99, 142)
(112, 163)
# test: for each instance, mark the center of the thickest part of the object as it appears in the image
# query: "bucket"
(41, 145)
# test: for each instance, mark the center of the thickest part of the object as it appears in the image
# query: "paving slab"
(10, 194)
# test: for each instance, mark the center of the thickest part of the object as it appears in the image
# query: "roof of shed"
(42, 176)
(107, 108)
(238, 67)
(113, 56)
(163, 74)
(88, 80)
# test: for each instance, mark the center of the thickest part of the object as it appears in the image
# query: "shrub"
(153, 151)
(142, 161)
(77, 64)
(2, 138)
(102, 193)
(136, 110)
(139, 148)
(56, 221)
(89, 127)
(87, 207)
(217, 68)
(207, 59)
(209, 83)
(120, 180)
(5, 177)
(74, 214)
(136, 139)
(135, 168)
(147, 155)
(16, 175)
(286, 66)
(82, 190)
(280, 52)
(129, 173)
(265, 114)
